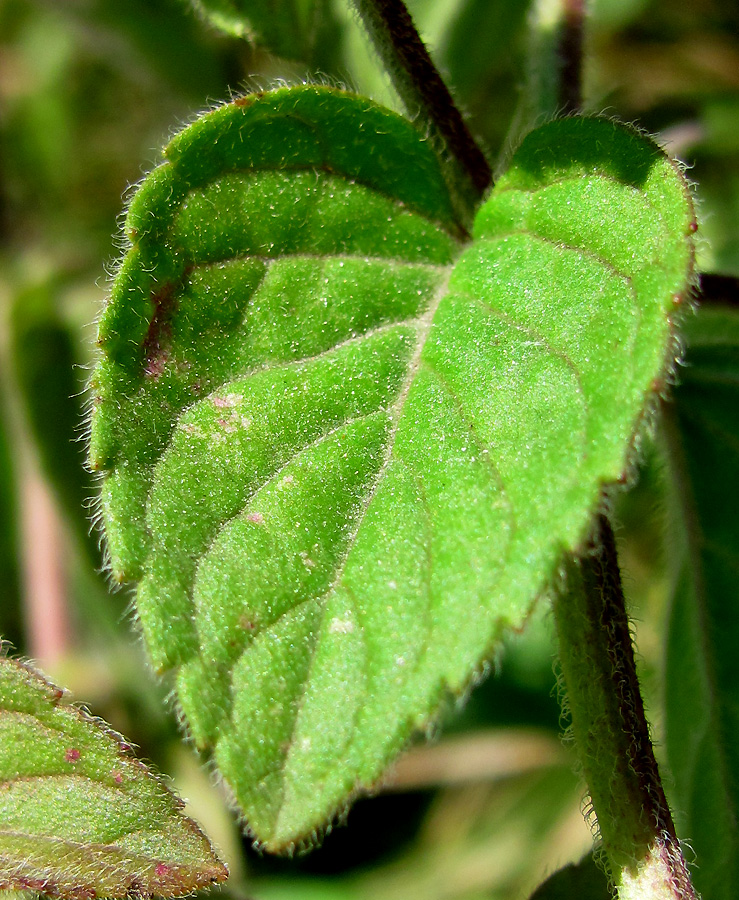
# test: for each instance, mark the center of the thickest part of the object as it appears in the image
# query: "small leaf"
(80, 817)
(702, 677)
(339, 464)
(289, 28)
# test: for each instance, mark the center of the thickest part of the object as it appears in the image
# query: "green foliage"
(51, 392)
(80, 816)
(359, 380)
(294, 29)
(703, 718)
(9, 618)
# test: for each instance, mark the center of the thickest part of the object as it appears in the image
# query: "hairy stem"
(425, 96)
(611, 730)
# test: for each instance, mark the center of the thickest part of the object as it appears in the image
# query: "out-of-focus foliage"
(582, 879)
(10, 626)
(51, 391)
(304, 30)
(702, 718)
(89, 89)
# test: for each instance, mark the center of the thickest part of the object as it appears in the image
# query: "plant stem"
(425, 96)
(554, 61)
(611, 730)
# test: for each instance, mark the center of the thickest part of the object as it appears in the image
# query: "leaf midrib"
(396, 410)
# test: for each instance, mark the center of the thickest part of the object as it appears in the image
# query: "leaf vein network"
(485, 451)
(425, 323)
(569, 248)
(273, 477)
(577, 179)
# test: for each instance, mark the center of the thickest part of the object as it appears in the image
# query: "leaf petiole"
(427, 99)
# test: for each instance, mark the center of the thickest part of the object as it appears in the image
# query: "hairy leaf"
(341, 463)
(80, 817)
(702, 675)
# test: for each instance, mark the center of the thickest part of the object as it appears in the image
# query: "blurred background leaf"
(304, 30)
(702, 676)
(11, 627)
(50, 386)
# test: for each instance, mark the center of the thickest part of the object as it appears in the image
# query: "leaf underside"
(80, 817)
(342, 450)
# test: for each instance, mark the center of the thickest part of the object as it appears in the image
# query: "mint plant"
(358, 411)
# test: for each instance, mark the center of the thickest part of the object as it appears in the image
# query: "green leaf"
(80, 817)
(341, 466)
(702, 676)
(289, 28)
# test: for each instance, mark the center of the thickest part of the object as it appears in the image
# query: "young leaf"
(79, 816)
(702, 677)
(341, 465)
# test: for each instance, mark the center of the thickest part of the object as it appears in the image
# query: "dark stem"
(719, 289)
(421, 87)
(571, 56)
(607, 607)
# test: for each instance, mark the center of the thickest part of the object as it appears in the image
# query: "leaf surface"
(344, 452)
(702, 676)
(80, 817)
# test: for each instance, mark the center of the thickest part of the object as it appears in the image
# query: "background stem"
(553, 82)
(426, 98)
(571, 36)
(48, 632)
